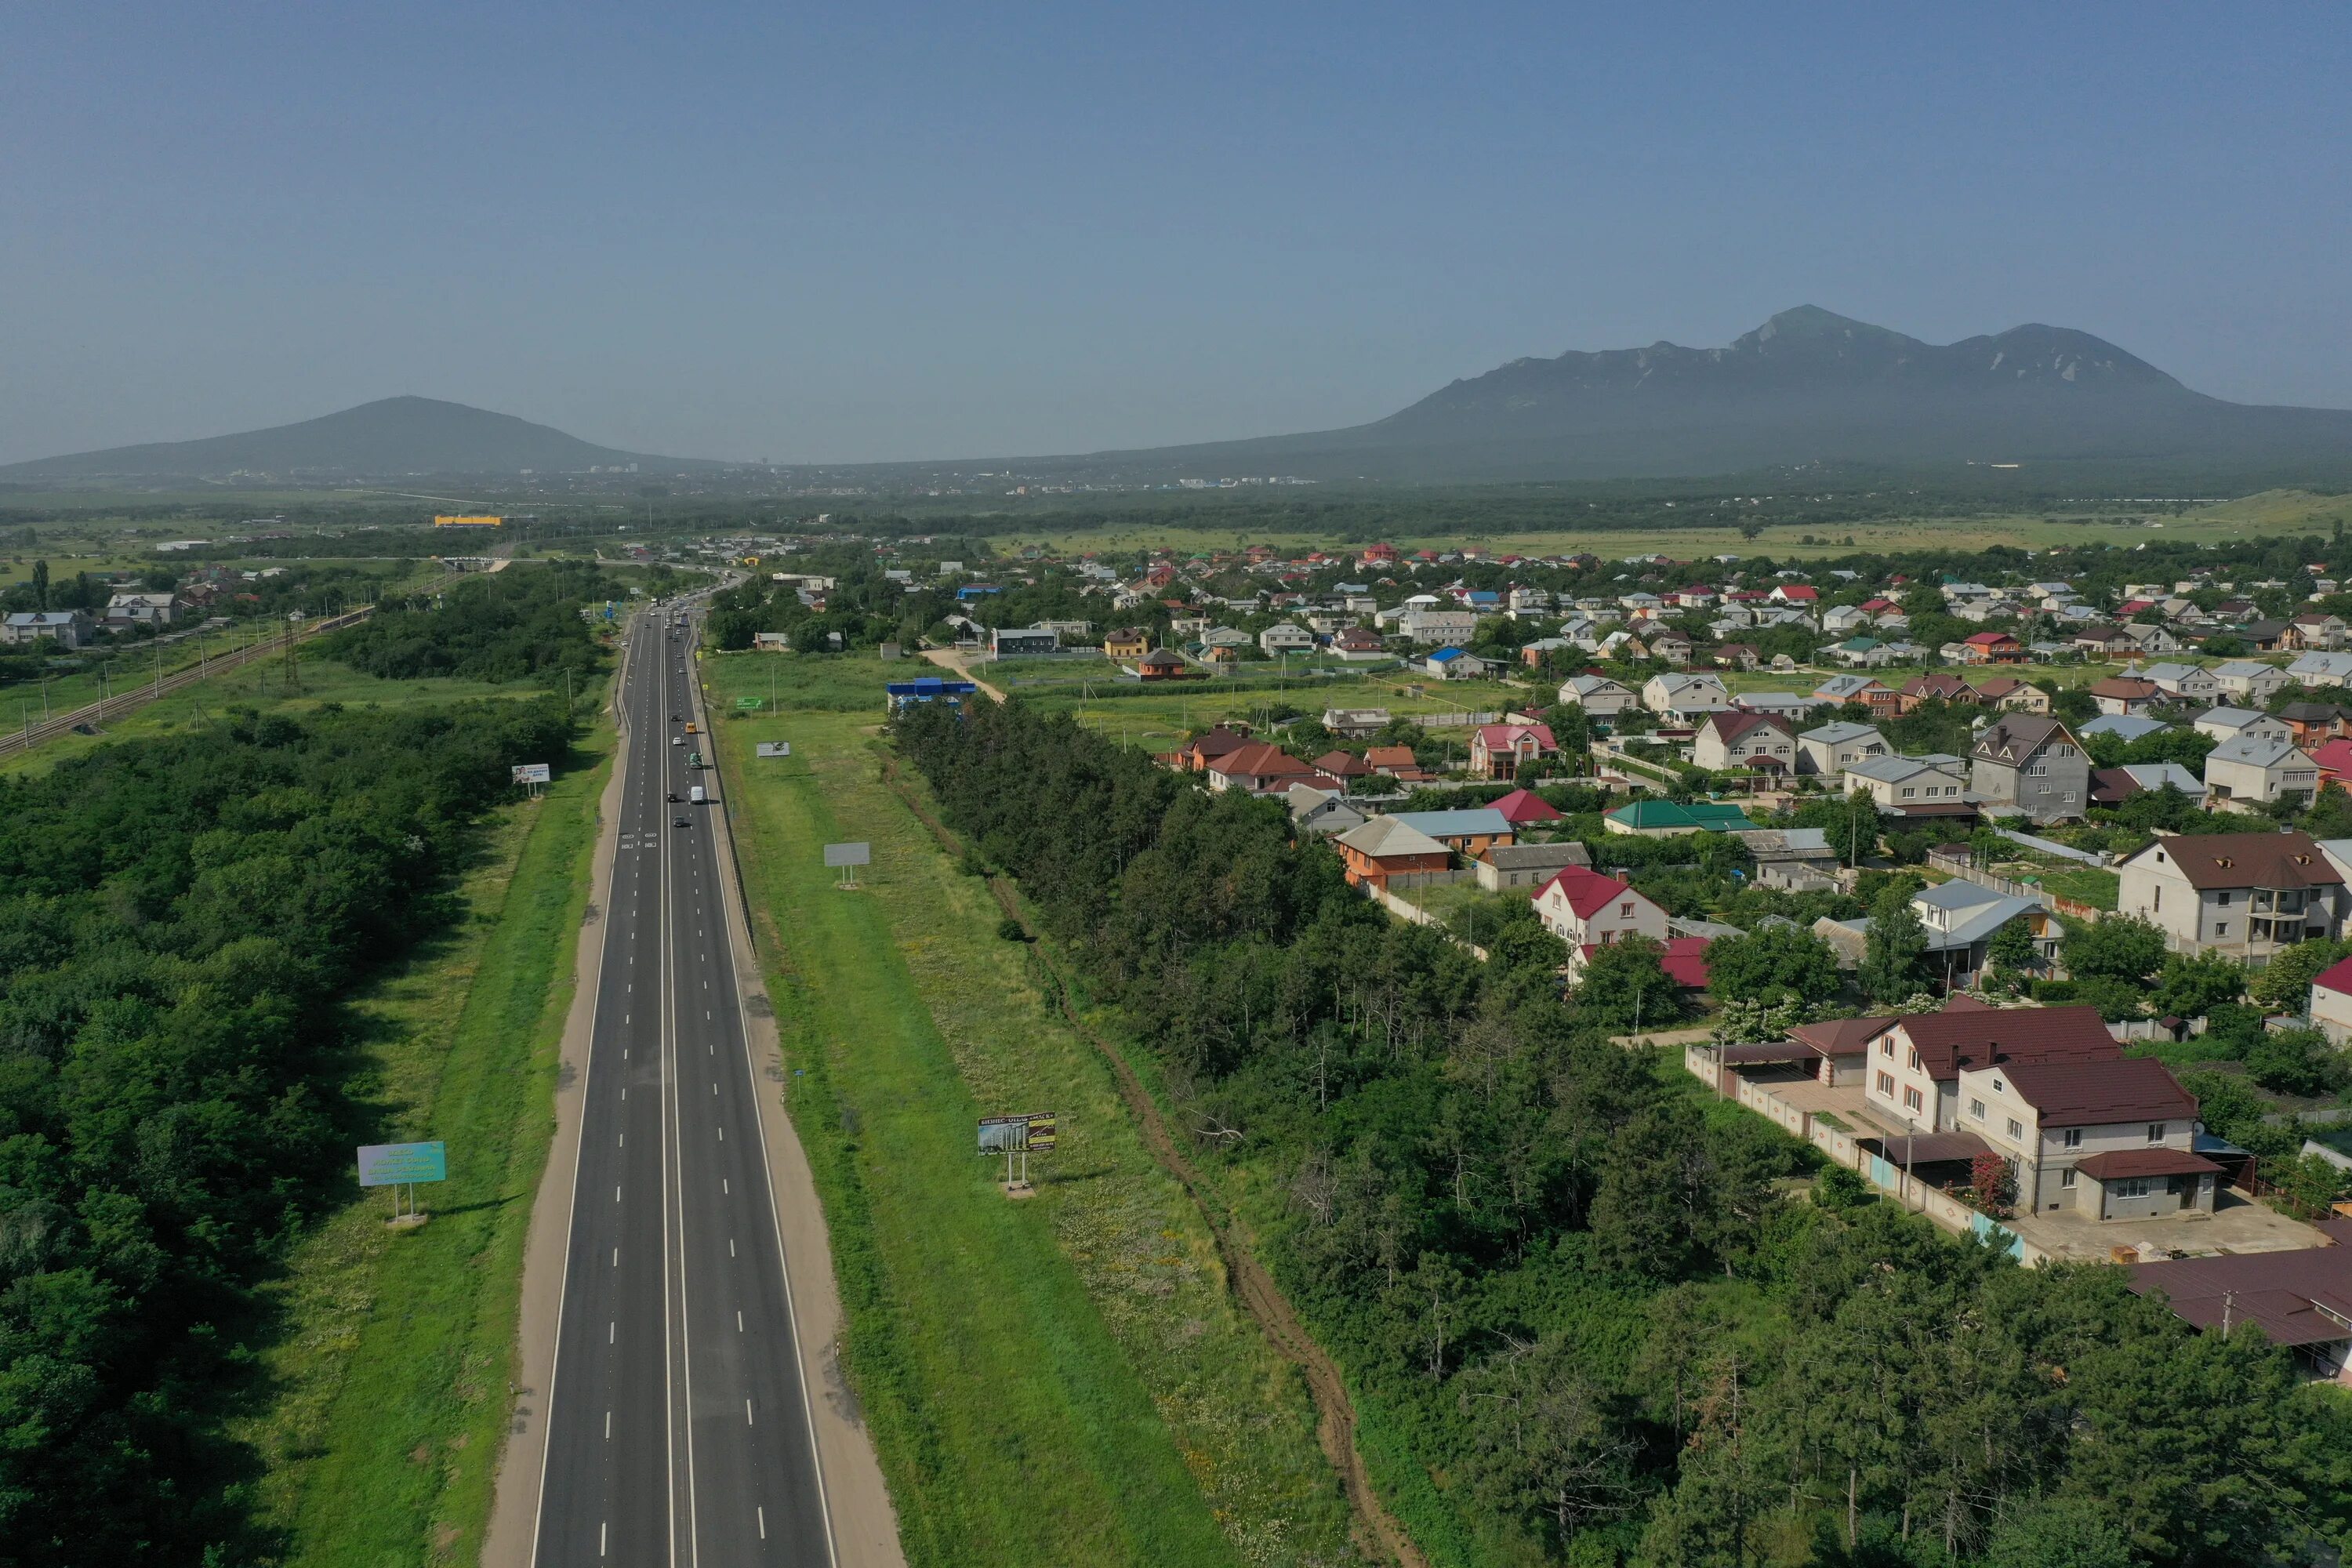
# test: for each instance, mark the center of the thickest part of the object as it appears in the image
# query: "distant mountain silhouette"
(391, 436)
(1806, 387)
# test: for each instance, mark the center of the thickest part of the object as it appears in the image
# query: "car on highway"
(685, 822)
(677, 740)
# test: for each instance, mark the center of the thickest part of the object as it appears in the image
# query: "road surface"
(678, 1426)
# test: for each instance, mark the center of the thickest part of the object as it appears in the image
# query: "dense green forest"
(179, 920)
(519, 624)
(1586, 1312)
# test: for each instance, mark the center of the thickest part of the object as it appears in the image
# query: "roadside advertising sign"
(849, 854)
(390, 1165)
(530, 772)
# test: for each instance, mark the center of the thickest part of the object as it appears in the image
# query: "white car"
(677, 740)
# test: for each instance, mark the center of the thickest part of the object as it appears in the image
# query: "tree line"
(1589, 1315)
(510, 626)
(179, 921)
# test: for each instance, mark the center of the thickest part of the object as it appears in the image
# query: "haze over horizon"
(908, 234)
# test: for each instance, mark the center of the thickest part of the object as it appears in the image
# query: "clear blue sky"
(844, 232)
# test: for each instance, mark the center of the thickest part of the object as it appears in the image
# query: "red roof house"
(1522, 806)
(1502, 751)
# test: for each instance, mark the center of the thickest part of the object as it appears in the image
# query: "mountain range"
(1808, 386)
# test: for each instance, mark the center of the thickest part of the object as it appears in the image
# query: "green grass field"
(387, 1385)
(1060, 1380)
(2271, 512)
(260, 685)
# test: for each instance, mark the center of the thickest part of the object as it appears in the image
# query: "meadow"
(1064, 1379)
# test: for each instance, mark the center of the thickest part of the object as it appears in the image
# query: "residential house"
(1211, 745)
(1670, 647)
(2033, 762)
(2008, 694)
(1283, 637)
(2126, 694)
(2259, 769)
(1665, 819)
(1799, 859)
(1864, 653)
(1525, 808)
(1831, 749)
(2226, 725)
(1127, 642)
(1358, 644)
(1583, 908)
(2334, 761)
(1684, 695)
(1597, 695)
(2099, 640)
(2267, 636)
(2184, 682)
(2331, 1001)
(2148, 639)
(1341, 767)
(2310, 724)
(1317, 811)
(1779, 704)
(1015, 642)
(2250, 682)
(2245, 894)
(1735, 739)
(1993, 647)
(1737, 656)
(1915, 1068)
(66, 629)
(1453, 664)
(2316, 629)
(2301, 1299)
(1533, 654)
(1937, 686)
(1507, 866)
(1396, 762)
(1843, 619)
(2126, 727)
(1859, 691)
(2322, 668)
(1841, 1049)
(1262, 769)
(1355, 723)
(1444, 628)
(1506, 751)
(2112, 786)
(2108, 1136)
(1469, 831)
(1961, 920)
(1167, 664)
(1386, 851)
(1905, 784)
(154, 610)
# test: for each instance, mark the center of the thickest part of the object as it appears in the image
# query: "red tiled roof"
(2120, 1162)
(1730, 723)
(1526, 805)
(2334, 757)
(1684, 958)
(1217, 742)
(2087, 1092)
(1844, 1037)
(1588, 891)
(1980, 1036)
(1261, 761)
(2282, 1293)
(1989, 639)
(1342, 764)
(1504, 737)
(2128, 687)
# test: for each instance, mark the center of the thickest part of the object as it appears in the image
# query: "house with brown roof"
(2033, 762)
(2011, 695)
(1841, 1047)
(1937, 686)
(1916, 1067)
(1735, 739)
(1262, 769)
(2246, 894)
(2126, 694)
(1127, 642)
(2299, 1298)
(1993, 647)
(1396, 762)
(1505, 750)
(2107, 1136)
(1206, 747)
(1343, 766)
(1167, 664)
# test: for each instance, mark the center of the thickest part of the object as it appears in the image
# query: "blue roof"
(929, 685)
(1445, 654)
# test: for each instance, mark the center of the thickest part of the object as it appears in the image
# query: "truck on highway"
(695, 796)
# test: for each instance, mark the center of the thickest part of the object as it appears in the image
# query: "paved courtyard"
(2238, 1224)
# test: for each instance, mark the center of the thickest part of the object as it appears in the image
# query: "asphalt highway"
(680, 1426)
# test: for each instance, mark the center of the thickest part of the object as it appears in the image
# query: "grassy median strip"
(1065, 1379)
(390, 1394)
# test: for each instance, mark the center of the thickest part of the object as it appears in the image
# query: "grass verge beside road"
(1065, 1379)
(389, 1398)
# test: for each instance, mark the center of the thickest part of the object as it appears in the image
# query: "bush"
(1011, 930)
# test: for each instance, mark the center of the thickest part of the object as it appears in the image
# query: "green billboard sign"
(390, 1164)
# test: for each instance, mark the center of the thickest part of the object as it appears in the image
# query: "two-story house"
(2184, 682)
(67, 628)
(2246, 894)
(2126, 694)
(1685, 697)
(2232, 723)
(2033, 762)
(1902, 783)
(1830, 749)
(1735, 739)
(1585, 908)
(2108, 1136)
(1913, 1070)
(2260, 769)
(1597, 695)
(1861, 690)
(2246, 680)
(1505, 750)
